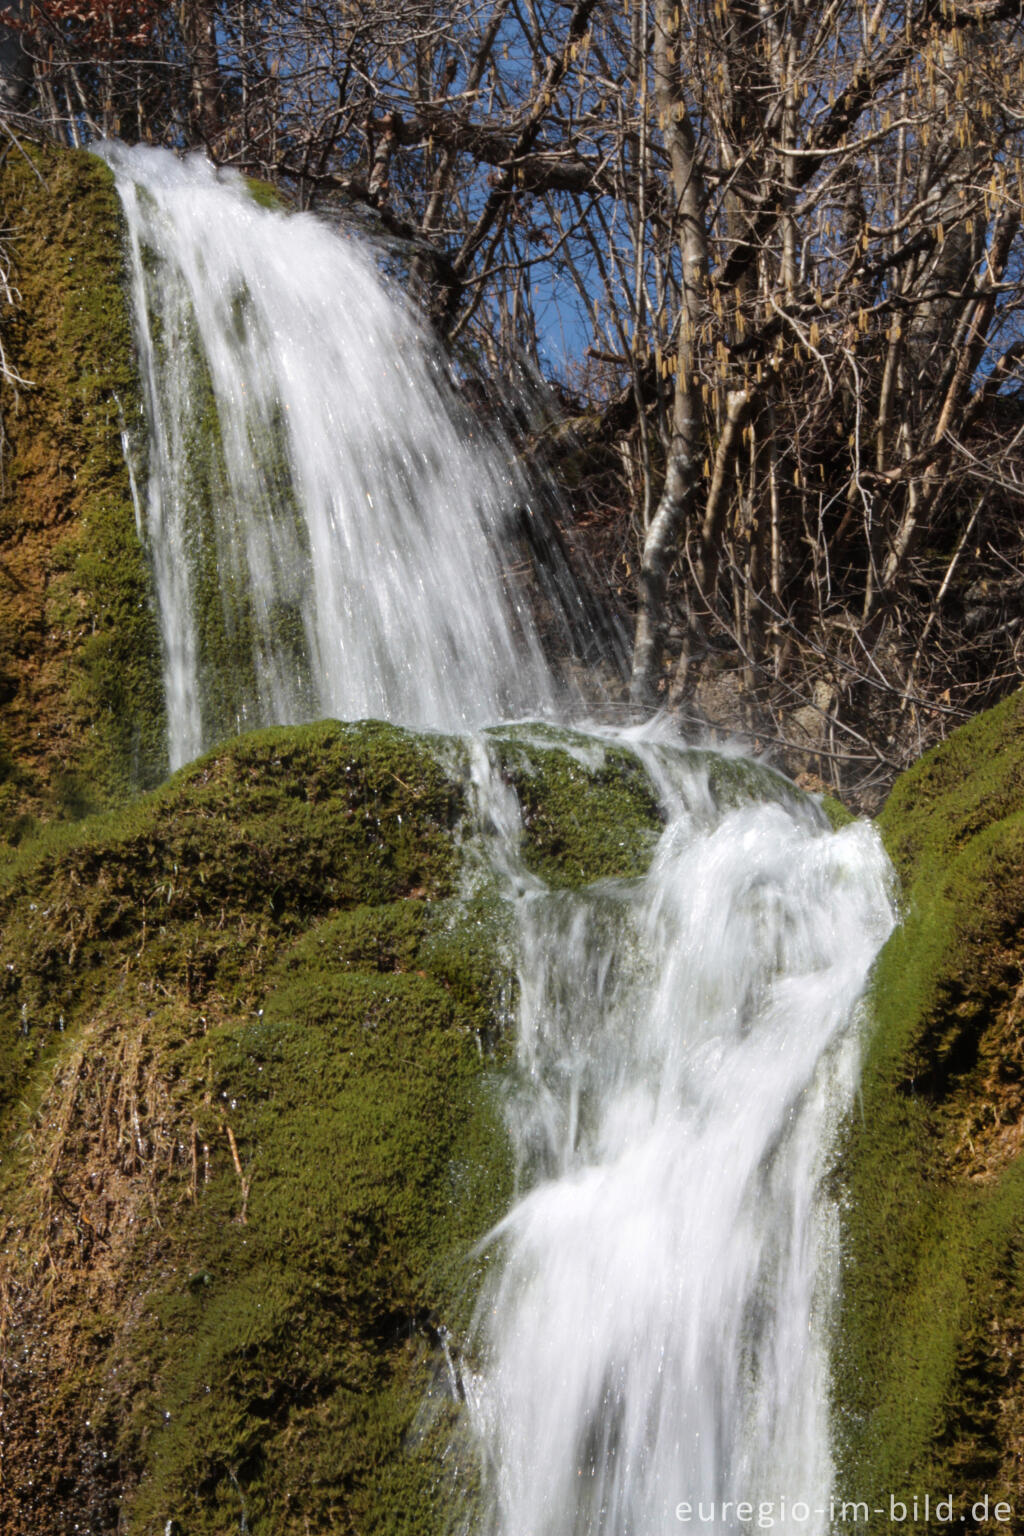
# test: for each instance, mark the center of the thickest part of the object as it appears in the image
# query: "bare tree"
(773, 253)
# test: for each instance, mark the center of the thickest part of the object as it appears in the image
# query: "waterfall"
(325, 532)
(327, 539)
(654, 1343)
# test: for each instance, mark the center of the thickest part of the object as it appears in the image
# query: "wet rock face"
(928, 1384)
(249, 1032)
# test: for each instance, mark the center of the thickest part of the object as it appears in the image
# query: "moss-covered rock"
(590, 810)
(928, 1380)
(80, 671)
(249, 1139)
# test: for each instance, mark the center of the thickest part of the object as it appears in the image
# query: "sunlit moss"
(79, 648)
(251, 1028)
(927, 1391)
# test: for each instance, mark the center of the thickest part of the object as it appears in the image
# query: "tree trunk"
(677, 508)
(199, 27)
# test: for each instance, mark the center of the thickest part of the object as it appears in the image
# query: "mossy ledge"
(929, 1395)
(80, 670)
(251, 1132)
(589, 809)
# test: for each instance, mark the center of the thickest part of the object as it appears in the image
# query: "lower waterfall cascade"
(654, 1330)
(655, 1336)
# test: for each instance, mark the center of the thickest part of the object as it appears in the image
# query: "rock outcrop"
(250, 1133)
(80, 673)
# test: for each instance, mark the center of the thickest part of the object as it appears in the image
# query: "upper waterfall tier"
(326, 527)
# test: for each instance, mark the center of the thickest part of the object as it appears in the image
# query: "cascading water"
(654, 1343)
(325, 535)
(327, 539)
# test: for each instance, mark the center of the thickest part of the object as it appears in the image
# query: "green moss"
(927, 1395)
(251, 1137)
(248, 1028)
(972, 782)
(284, 825)
(590, 811)
(736, 781)
(587, 812)
(373, 1163)
(265, 193)
(839, 815)
(79, 646)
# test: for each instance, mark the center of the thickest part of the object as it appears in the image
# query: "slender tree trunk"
(199, 28)
(676, 511)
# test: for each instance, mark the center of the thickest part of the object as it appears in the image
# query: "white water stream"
(341, 554)
(655, 1340)
(654, 1337)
